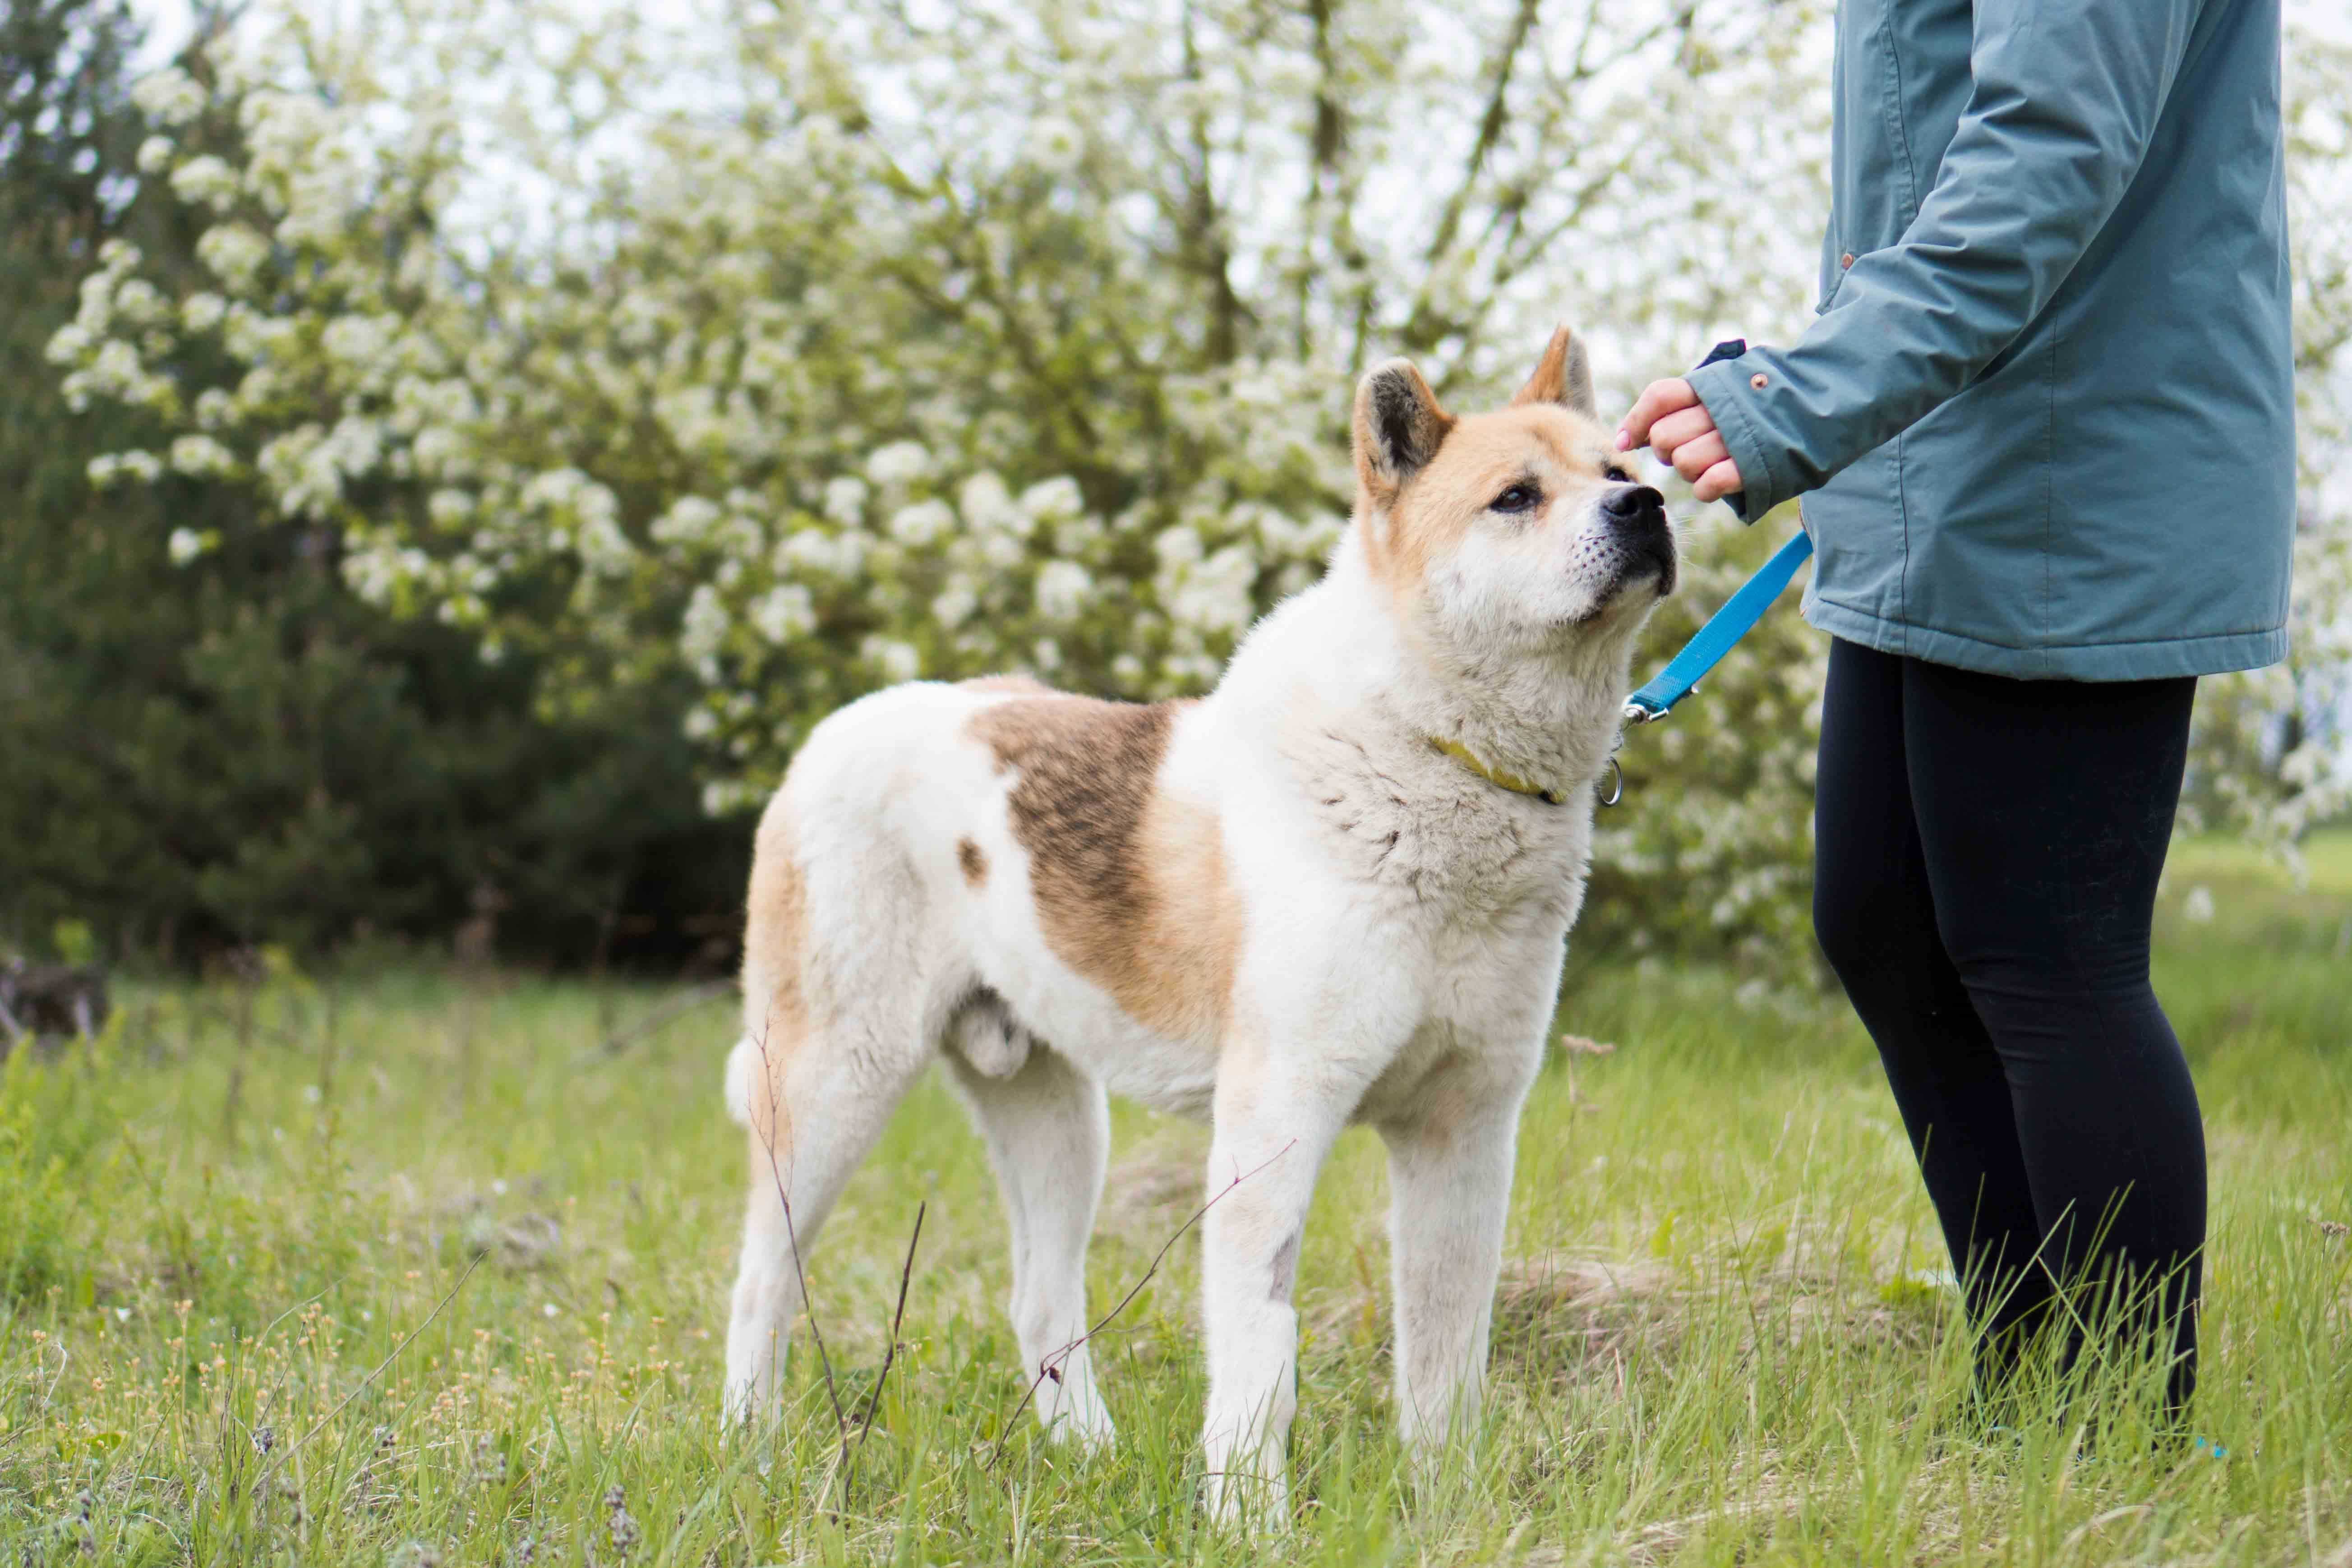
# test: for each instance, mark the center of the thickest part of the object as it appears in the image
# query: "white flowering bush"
(825, 347)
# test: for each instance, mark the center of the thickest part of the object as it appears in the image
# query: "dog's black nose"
(1628, 503)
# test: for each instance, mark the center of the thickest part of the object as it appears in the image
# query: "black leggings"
(1986, 860)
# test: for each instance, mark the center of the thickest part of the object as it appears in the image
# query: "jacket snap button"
(1845, 262)
(1759, 381)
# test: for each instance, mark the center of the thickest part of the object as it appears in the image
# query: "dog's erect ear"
(1398, 426)
(1564, 376)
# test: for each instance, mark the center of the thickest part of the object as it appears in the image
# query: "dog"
(1337, 889)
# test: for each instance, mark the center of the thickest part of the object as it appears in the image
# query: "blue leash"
(1738, 617)
(1723, 628)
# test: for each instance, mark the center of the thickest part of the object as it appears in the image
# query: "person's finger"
(1657, 399)
(1722, 479)
(1697, 455)
(1668, 433)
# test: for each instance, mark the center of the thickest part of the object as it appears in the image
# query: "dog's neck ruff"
(1494, 775)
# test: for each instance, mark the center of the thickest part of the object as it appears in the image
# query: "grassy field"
(404, 1269)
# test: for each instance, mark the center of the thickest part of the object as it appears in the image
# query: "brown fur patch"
(974, 863)
(1130, 885)
(775, 950)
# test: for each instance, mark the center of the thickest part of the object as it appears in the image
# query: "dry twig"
(1052, 1365)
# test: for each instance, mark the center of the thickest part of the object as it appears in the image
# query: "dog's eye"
(1619, 472)
(1518, 497)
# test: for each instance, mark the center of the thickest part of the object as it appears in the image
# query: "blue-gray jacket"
(2047, 412)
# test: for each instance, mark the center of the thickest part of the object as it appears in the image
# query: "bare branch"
(873, 1400)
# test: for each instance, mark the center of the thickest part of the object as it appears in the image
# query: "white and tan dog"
(1337, 889)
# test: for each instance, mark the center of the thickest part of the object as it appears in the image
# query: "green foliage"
(234, 749)
(1042, 364)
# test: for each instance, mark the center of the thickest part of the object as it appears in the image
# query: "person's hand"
(1670, 420)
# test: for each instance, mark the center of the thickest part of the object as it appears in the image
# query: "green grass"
(1720, 1338)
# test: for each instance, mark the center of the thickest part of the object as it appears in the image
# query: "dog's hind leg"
(814, 1108)
(1047, 1127)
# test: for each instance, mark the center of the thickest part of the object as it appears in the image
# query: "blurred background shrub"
(467, 446)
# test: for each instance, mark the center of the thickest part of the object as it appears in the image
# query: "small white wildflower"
(153, 153)
(2198, 905)
(701, 724)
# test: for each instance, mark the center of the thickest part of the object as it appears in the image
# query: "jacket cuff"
(1723, 387)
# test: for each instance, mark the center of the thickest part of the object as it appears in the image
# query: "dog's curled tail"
(743, 1070)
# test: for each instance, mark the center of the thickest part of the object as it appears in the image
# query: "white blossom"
(169, 97)
(1051, 501)
(896, 661)
(1062, 589)
(845, 501)
(899, 464)
(185, 546)
(784, 613)
(205, 180)
(233, 252)
(922, 523)
(704, 627)
(201, 457)
(202, 312)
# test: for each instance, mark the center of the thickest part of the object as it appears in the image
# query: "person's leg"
(1875, 916)
(2044, 809)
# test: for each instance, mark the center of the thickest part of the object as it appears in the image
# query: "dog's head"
(1509, 535)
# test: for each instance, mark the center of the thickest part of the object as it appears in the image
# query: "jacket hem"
(2154, 660)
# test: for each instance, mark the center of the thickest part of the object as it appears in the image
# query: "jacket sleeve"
(2065, 100)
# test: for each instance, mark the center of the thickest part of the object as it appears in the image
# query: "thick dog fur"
(1283, 908)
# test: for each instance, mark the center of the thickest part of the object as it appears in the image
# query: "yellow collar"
(1511, 782)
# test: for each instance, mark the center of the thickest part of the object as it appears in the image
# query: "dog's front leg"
(1272, 1134)
(1450, 1189)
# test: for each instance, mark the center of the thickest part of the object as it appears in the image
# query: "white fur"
(1405, 921)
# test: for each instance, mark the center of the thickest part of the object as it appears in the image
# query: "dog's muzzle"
(1636, 518)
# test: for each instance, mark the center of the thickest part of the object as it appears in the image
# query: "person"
(2044, 427)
